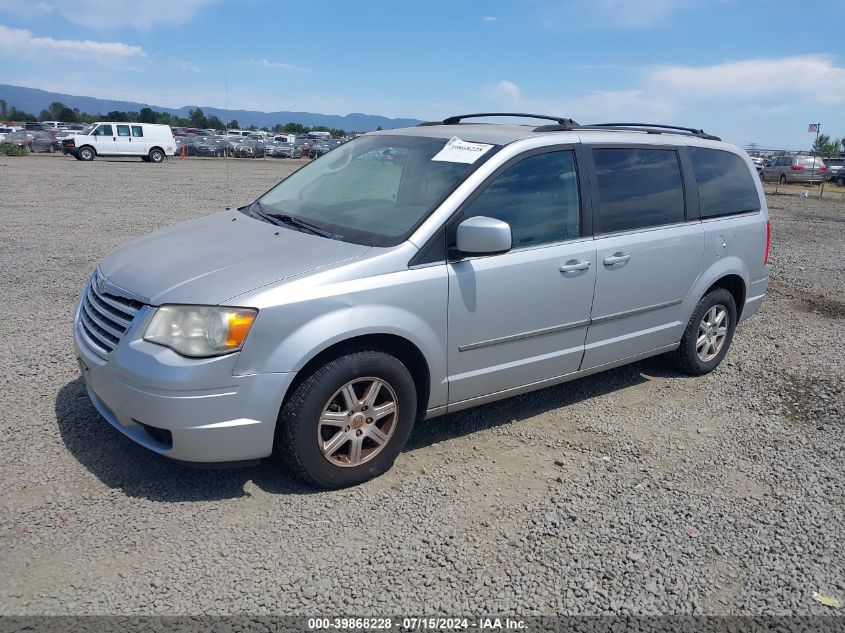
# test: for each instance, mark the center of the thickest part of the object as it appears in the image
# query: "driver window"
(537, 197)
(104, 130)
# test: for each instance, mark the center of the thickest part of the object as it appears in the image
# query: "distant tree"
(2, 108)
(44, 116)
(215, 123)
(277, 128)
(58, 111)
(117, 115)
(197, 118)
(378, 129)
(233, 124)
(19, 115)
(294, 128)
(252, 127)
(825, 146)
(147, 115)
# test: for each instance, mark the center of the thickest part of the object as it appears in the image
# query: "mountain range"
(33, 100)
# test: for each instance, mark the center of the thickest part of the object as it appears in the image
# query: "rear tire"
(708, 334)
(319, 422)
(156, 155)
(87, 153)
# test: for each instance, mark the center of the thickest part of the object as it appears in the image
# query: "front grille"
(105, 316)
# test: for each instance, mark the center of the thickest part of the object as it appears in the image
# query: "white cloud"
(283, 66)
(592, 107)
(110, 14)
(806, 78)
(21, 43)
(507, 90)
(187, 67)
(490, 18)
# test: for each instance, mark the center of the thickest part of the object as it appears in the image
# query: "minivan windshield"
(88, 129)
(374, 190)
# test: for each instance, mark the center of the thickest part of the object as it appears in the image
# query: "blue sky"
(747, 70)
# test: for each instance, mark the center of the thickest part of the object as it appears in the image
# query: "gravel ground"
(636, 491)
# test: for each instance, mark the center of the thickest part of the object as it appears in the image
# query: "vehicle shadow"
(119, 462)
(528, 405)
(137, 472)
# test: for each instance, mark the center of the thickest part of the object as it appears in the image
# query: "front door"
(105, 140)
(521, 317)
(648, 255)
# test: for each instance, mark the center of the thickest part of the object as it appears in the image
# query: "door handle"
(573, 265)
(616, 258)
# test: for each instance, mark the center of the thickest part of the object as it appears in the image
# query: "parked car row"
(35, 140)
(252, 145)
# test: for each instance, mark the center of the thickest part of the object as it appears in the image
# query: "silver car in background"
(801, 169)
(411, 273)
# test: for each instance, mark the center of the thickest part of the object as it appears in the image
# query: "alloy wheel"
(712, 333)
(357, 422)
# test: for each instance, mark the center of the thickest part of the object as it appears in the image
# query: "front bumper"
(209, 414)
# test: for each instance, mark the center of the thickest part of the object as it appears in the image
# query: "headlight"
(200, 331)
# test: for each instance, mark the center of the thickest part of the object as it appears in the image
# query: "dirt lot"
(635, 491)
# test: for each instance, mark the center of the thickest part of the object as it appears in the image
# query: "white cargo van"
(150, 141)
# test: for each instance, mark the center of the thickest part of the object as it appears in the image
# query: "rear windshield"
(375, 190)
(807, 161)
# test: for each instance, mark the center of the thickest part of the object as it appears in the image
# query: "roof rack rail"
(454, 120)
(651, 128)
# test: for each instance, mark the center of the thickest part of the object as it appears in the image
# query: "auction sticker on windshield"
(458, 151)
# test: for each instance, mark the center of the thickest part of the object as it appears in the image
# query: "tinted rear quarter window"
(725, 184)
(638, 188)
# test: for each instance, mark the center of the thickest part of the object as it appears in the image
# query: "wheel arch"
(734, 284)
(406, 351)
(731, 273)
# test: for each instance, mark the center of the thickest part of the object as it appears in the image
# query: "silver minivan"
(415, 272)
(802, 169)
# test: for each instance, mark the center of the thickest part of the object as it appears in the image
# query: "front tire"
(708, 334)
(87, 154)
(347, 421)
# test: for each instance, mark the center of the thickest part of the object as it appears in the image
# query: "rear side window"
(638, 188)
(137, 131)
(123, 130)
(725, 185)
(537, 197)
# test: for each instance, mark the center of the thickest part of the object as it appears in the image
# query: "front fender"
(410, 304)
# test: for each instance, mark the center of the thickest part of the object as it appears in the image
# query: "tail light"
(797, 168)
(822, 168)
(768, 241)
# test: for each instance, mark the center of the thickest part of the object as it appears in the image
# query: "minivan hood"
(212, 259)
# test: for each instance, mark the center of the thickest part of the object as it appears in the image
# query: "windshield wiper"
(283, 218)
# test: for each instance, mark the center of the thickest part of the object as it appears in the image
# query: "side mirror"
(481, 235)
